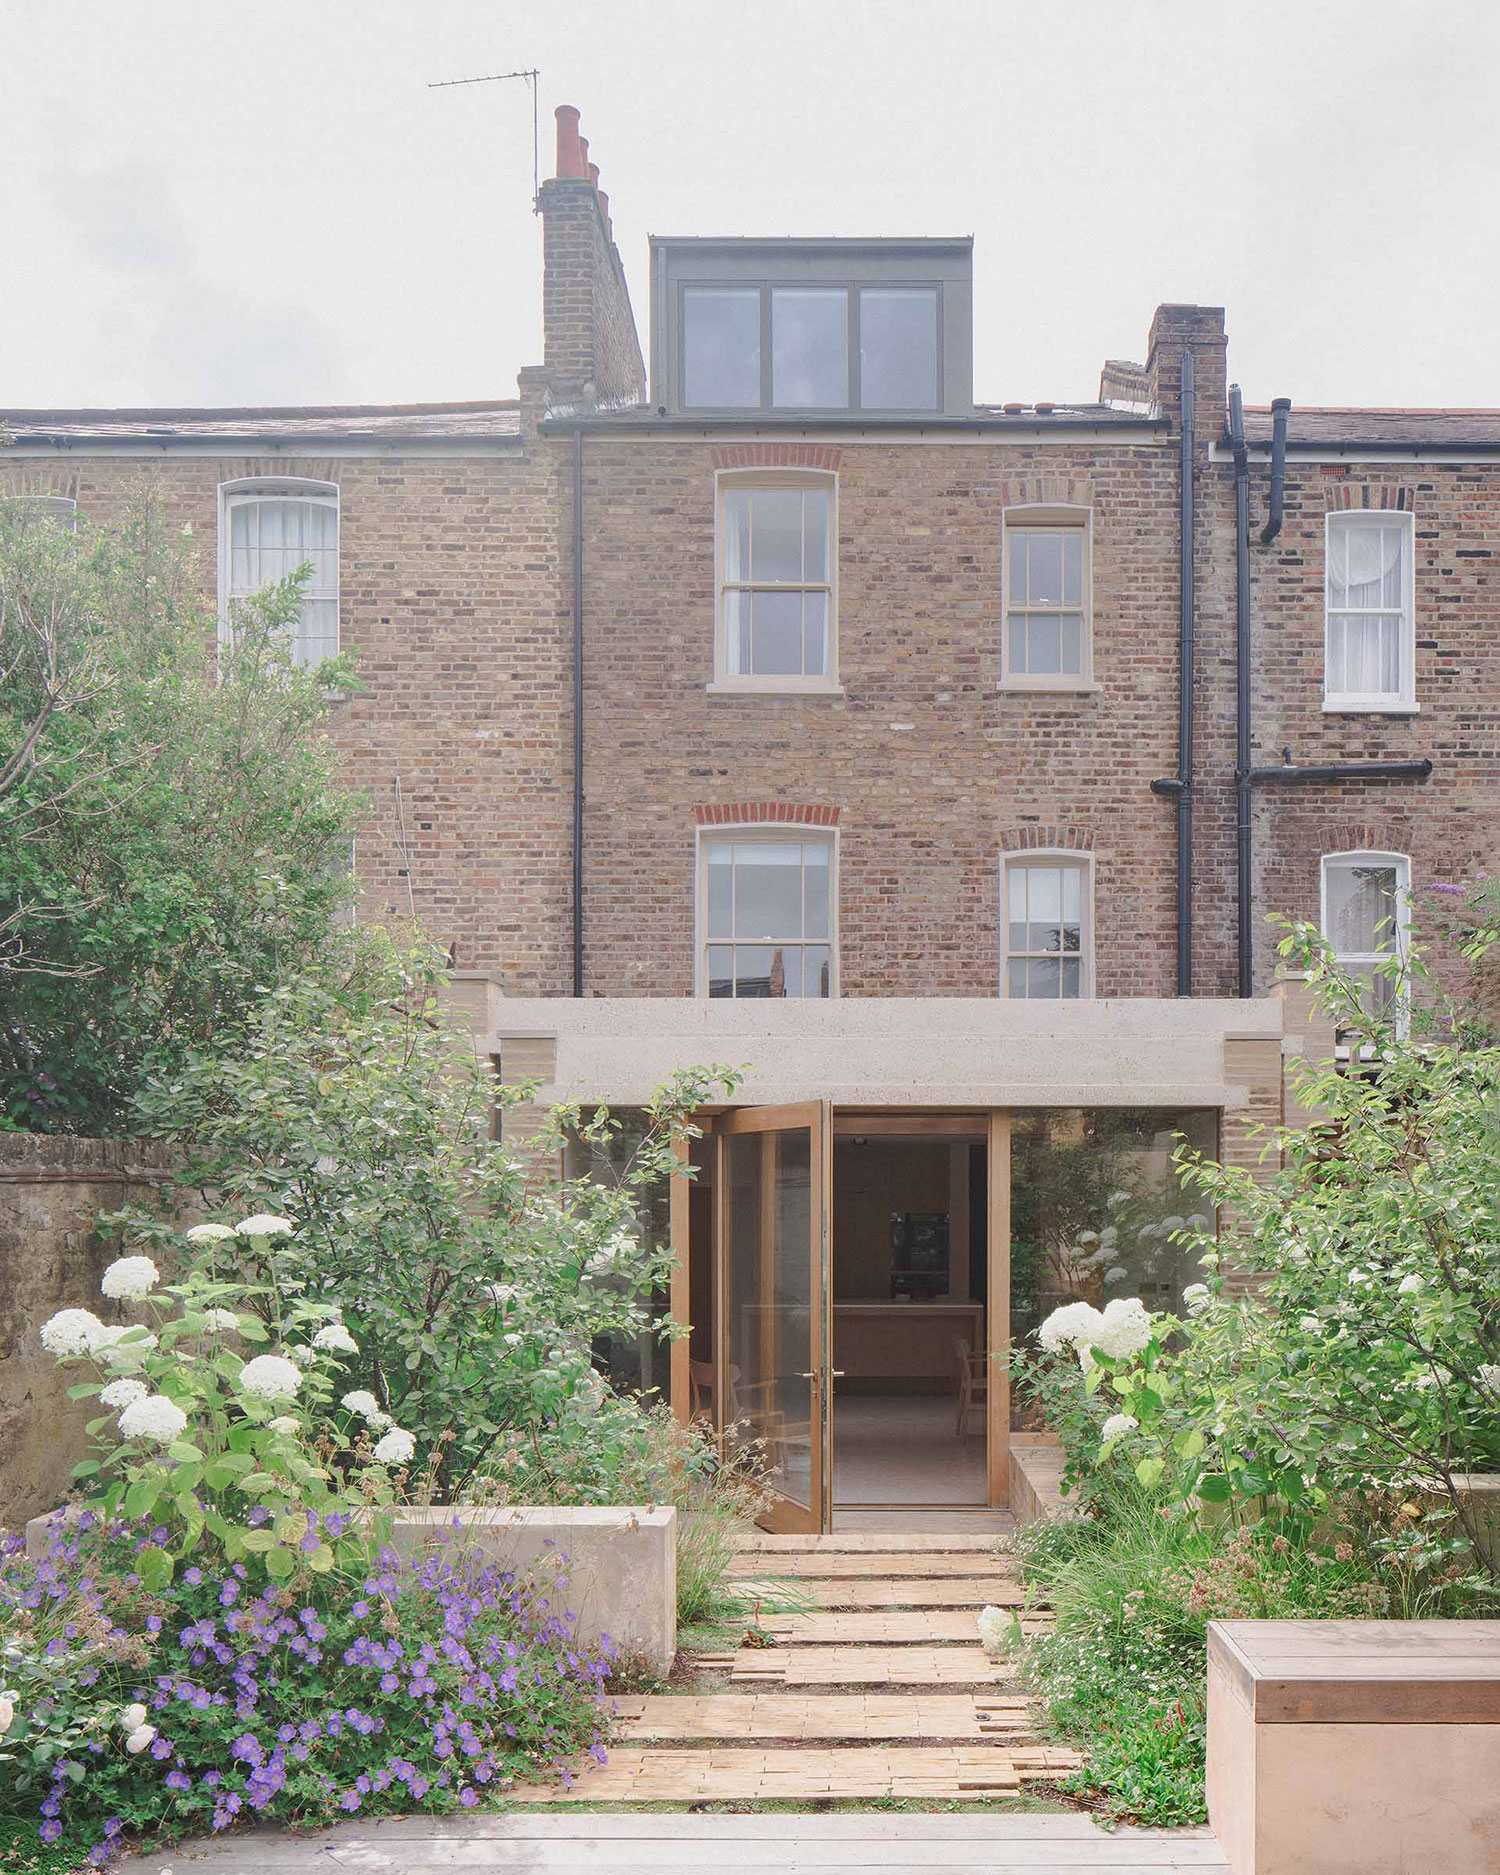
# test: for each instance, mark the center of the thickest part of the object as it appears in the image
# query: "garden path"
(880, 1691)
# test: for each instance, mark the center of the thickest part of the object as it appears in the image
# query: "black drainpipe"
(1180, 786)
(1242, 787)
(1281, 408)
(578, 711)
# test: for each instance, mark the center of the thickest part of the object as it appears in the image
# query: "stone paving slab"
(877, 1563)
(763, 1717)
(860, 1666)
(757, 1775)
(764, 1543)
(866, 1625)
(887, 1592)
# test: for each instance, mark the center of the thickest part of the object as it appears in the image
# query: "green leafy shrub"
(476, 1296)
(251, 1453)
(173, 833)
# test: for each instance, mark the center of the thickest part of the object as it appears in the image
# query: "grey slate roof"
(329, 422)
(1313, 426)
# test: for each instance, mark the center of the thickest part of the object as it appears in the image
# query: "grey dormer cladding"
(943, 265)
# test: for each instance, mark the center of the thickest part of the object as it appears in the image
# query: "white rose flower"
(336, 1338)
(220, 1321)
(284, 1422)
(396, 1448)
(1410, 1285)
(1118, 1424)
(270, 1377)
(263, 1225)
(1196, 1298)
(129, 1278)
(156, 1417)
(1125, 1329)
(139, 1739)
(210, 1233)
(71, 1331)
(132, 1718)
(1074, 1322)
(121, 1393)
(1310, 1325)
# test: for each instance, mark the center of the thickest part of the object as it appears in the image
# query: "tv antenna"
(499, 78)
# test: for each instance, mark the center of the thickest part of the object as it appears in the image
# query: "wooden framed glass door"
(771, 1244)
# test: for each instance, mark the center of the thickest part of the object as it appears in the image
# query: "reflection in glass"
(720, 348)
(776, 581)
(1097, 1208)
(1044, 923)
(768, 913)
(769, 1274)
(898, 348)
(809, 348)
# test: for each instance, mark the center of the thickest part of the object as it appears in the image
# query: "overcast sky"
(207, 202)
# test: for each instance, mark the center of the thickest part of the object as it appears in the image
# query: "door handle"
(836, 1373)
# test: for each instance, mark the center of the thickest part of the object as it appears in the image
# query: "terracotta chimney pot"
(572, 151)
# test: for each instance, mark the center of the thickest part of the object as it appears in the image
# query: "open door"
(771, 1226)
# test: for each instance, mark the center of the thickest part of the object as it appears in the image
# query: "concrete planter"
(1480, 1491)
(614, 1570)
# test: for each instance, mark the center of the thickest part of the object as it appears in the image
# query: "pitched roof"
(314, 423)
(1314, 426)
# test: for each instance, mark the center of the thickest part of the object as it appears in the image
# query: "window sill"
(733, 687)
(1064, 687)
(1342, 706)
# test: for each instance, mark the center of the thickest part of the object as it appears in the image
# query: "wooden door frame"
(997, 1307)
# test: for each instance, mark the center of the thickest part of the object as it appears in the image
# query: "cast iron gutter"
(637, 423)
(1280, 410)
(1291, 771)
(578, 712)
(1243, 796)
(1179, 787)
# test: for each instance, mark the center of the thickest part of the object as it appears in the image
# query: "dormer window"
(881, 328)
(810, 348)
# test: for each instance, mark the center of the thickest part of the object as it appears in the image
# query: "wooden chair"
(973, 1381)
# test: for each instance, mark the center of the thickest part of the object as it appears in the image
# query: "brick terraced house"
(937, 763)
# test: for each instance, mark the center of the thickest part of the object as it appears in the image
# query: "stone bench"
(1355, 1747)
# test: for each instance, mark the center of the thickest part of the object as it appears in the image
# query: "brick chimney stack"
(591, 352)
(1199, 330)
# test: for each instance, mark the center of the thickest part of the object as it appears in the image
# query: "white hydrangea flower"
(263, 1225)
(270, 1377)
(1196, 1298)
(129, 1278)
(367, 1406)
(284, 1422)
(71, 1331)
(1310, 1325)
(1088, 1236)
(121, 1393)
(210, 1233)
(995, 1629)
(7, 1712)
(304, 1354)
(396, 1448)
(220, 1321)
(139, 1739)
(1118, 1424)
(1117, 1198)
(500, 1293)
(1118, 1274)
(156, 1417)
(1173, 1222)
(1412, 1285)
(1489, 1377)
(132, 1718)
(1125, 1328)
(1110, 1236)
(1196, 1220)
(1074, 1322)
(335, 1338)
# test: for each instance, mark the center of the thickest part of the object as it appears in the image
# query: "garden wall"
(51, 1189)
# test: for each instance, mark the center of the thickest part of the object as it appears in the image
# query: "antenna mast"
(497, 78)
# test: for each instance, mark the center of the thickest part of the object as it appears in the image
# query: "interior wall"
(873, 1178)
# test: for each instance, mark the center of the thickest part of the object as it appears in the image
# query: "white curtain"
(271, 536)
